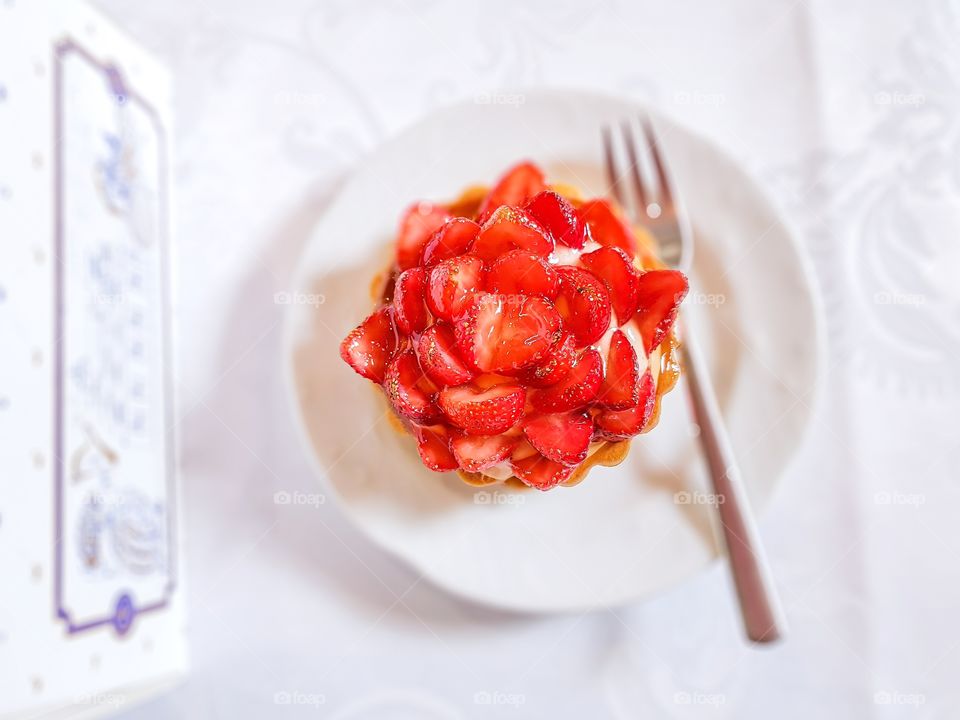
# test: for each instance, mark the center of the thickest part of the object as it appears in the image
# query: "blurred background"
(848, 113)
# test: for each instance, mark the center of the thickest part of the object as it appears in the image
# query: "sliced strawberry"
(606, 227)
(523, 450)
(659, 294)
(408, 389)
(523, 273)
(622, 424)
(510, 229)
(577, 389)
(409, 310)
(418, 223)
(539, 472)
(451, 282)
(438, 355)
(556, 364)
(515, 187)
(584, 304)
(506, 333)
(450, 240)
(479, 452)
(370, 346)
(433, 443)
(559, 217)
(620, 388)
(561, 437)
(618, 272)
(483, 412)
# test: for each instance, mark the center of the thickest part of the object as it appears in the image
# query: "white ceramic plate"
(626, 531)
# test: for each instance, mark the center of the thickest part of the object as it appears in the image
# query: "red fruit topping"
(418, 223)
(559, 218)
(408, 389)
(620, 388)
(450, 240)
(518, 184)
(659, 294)
(510, 229)
(483, 412)
(622, 424)
(506, 333)
(559, 359)
(479, 452)
(437, 352)
(612, 265)
(409, 312)
(433, 443)
(539, 472)
(561, 437)
(523, 273)
(584, 304)
(577, 389)
(606, 227)
(370, 346)
(450, 284)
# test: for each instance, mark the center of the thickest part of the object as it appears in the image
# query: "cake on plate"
(521, 334)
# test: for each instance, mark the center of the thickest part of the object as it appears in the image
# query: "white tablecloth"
(851, 114)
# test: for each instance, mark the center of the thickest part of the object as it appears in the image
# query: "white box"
(91, 597)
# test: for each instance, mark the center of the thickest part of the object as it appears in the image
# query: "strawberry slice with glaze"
(515, 187)
(559, 359)
(539, 472)
(620, 388)
(561, 437)
(618, 425)
(433, 444)
(409, 310)
(418, 223)
(489, 411)
(559, 218)
(659, 294)
(584, 304)
(480, 452)
(437, 351)
(506, 333)
(606, 227)
(451, 283)
(450, 240)
(619, 274)
(510, 229)
(409, 391)
(577, 389)
(370, 346)
(524, 273)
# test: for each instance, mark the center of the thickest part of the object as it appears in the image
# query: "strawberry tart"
(522, 334)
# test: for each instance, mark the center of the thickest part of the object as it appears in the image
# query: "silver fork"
(656, 208)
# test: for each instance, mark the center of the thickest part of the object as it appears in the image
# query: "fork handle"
(759, 604)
